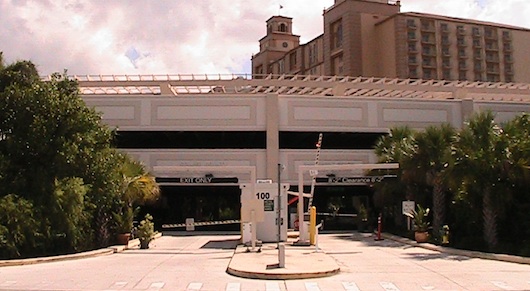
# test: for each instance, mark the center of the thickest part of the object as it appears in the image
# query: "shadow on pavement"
(221, 244)
(436, 256)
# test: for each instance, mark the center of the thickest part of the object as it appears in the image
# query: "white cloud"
(171, 37)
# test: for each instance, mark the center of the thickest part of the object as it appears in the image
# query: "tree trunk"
(489, 215)
(438, 200)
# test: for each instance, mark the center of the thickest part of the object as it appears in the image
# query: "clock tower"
(279, 40)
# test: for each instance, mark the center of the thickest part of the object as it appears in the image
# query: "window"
(493, 78)
(445, 39)
(506, 35)
(412, 47)
(283, 27)
(462, 65)
(336, 34)
(446, 62)
(476, 31)
(292, 61)
(313, 54)
(412, 59)
(447, 75)
(338, 65)
(411, 23)
(411, 35)
(444, 27)
(427, 74)
(462, 75)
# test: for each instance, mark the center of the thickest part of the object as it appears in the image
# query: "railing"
(307, 85)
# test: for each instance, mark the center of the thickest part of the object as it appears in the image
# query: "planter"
(123, 238)
(421, 237)
(144, 244)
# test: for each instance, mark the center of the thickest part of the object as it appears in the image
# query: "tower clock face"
(285, 44)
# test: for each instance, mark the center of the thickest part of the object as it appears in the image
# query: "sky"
(115, 37)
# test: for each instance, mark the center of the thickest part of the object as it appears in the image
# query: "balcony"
(412, 50)
(427, 27)
(460, 30)
(507, 47)
(506, 36)
(492, 60)
(492, 48)
(428, 53)
(490, 35)
(428, 65)
(461, 42)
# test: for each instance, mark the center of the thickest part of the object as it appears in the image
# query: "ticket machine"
(262, 202)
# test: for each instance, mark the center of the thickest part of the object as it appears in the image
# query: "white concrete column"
(273, 136)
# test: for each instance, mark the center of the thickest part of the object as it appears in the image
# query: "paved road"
(199, 263)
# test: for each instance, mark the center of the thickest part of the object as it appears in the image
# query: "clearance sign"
(358, 180)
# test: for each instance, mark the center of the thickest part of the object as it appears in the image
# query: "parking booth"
(263, 200)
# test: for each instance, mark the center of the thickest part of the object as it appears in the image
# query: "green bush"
(18, 228)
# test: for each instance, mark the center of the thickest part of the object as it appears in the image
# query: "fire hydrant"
(445, 234)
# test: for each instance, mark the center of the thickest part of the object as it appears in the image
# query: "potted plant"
(421, 224)
(124, 224)
(363, 218)
(146, 231)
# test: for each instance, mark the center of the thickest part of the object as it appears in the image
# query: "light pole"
(279, 206)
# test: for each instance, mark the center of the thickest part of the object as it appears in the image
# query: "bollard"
(281, 256)
(379, 227)
(445, 234)
(312, 224)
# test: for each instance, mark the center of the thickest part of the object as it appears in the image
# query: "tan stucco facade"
(372, 38)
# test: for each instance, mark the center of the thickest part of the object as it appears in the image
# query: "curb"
(278, 276)
(459, 252)
(264, 265)
(95, 253)
(30, 261)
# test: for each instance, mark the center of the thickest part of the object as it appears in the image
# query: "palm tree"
(517, 133)
(480, 151)
(433, 158)
(138, 187)
(397, 147)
